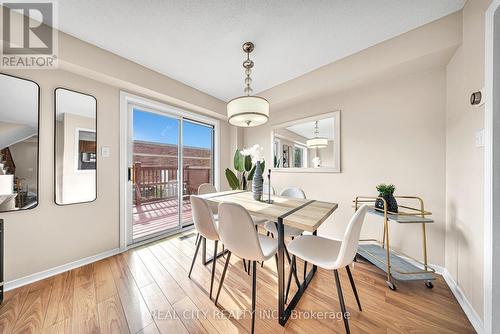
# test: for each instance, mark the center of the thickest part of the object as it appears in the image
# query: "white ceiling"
(306, 130)
(199, 42)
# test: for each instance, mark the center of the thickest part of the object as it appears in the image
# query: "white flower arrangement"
(316, 162)
(255, 151)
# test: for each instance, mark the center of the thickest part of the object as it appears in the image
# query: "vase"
(257, 182)
(392, 204)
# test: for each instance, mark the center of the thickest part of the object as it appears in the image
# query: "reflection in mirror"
(312, 143)
(18, 143)
(75, 147)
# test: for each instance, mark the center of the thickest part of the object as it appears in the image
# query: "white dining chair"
(237, 232)
(331, 254)
(206, 226)
(208, 188)
(292, 232)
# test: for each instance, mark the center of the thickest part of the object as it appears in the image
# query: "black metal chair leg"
(194, 257)
(341, 301)
(222, 277)
(268, 233)
(245, 265)
(305, 270)
(249, 268)
(351, 279)
(254, 292)
(213, 268)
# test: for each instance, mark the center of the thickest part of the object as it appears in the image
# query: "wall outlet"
(105, 152)
(480, 138)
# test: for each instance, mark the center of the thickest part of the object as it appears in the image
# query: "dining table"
(305, 214)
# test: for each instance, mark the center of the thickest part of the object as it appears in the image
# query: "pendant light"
(317, 141)
(248, 110)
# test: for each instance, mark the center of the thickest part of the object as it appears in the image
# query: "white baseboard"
(57, 270)
(474, 318)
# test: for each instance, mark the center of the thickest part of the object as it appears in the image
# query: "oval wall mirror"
(75, 147)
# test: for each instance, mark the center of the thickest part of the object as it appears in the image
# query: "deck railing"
(157, 183)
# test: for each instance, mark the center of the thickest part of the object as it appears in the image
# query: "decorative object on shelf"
(245, 162)
(317, 141)
(387, 192)
(248, 110)
(316, 162)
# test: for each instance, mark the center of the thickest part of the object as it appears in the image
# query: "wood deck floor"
(146, 290)
(151, 218)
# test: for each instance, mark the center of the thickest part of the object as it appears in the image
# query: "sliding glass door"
(169, 157)
(197, 160)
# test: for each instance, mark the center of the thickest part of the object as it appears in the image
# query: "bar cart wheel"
(429, 284)
(392, 286)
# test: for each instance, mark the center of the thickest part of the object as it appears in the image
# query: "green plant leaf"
(232, 179)
(252, 172)
(244, 182)
(248, 163)
(239, 161)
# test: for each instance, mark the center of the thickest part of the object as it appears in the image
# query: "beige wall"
(391, 129)
(50, 235)
(464, 161)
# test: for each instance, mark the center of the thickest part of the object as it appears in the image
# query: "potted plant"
(386, 191)
(245, 169)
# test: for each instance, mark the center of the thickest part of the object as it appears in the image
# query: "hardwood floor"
(146, 290)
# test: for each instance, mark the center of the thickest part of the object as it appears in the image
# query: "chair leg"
(197, 237)
(351, 279)
(213, 268)
(245, 265)
(276, 260)
(289, 282)
(268, 233)
(254, 288)
(222, 277)
(305, 270)
(249, 268)
(194, 257)
(341, 301)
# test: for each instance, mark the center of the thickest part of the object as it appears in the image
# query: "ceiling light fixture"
(317, 141)
(248, 110)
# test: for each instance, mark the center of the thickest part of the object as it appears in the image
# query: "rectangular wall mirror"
(310, 145)
(75, 147)
(19, 109)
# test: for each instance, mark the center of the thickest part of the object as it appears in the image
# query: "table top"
(309, 214)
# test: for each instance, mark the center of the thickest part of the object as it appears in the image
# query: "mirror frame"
(37, 145)
(336, 140)
(55, 144)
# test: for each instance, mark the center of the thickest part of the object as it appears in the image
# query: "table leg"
(281, 272)
(284, 313)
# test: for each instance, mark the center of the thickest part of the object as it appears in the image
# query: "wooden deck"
(146, 290)
(151, 218)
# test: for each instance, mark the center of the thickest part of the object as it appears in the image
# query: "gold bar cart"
(398, 266)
